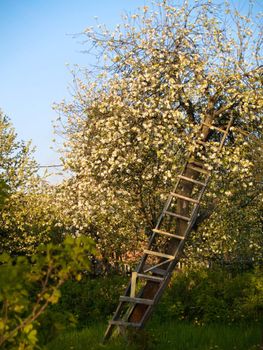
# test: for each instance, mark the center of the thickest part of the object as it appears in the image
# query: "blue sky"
(36, 43)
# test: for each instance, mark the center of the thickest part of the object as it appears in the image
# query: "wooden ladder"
(165, 246)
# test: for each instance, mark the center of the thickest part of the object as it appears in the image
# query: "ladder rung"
(244, 133)
(161, 255)
(211, 126)
(200, 170)
(155, 230)
(203, 143)
(206, 144)
(125, 324)
(195, 162)
(178, 216)
(191, 180)
(156, 270)
(185, 198)
(137, 300)
(150, 277)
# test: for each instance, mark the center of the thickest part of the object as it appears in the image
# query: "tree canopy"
(28, 212)
(128, 130)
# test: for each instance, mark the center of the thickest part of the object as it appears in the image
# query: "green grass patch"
(165, 336)
(183, 336)
(89, 338)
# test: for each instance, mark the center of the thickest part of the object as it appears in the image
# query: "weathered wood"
(178, 216)
(160, 255)
(161, 232)
(125, 324)
(136, 300)
(154, 270)
(202, 143)
(163, 262)
(200, 170)
(213, 127)
(191, 180)
(150, 277)
(139, 313)
(195, 162)
(188, 199)
(133, 284)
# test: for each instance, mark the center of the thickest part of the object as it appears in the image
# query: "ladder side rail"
(111, 327)
(164, 281)
(226, 133)
(170, 263)
(152, 237)
(170, 268)
(192, 222)
(166, 206)
(168, 203)
(193, 217)
(157, 298)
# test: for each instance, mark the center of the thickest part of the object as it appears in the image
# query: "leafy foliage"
(16, 164)
(28, 211)
(232, 225)
(3, 192)
(201, 296)
(205, 296)
(91, 299)
(28, 286)
(29, 218)
(167, 69)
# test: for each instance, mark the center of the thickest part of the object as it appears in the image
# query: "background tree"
(128, 131)
(28, 213)
(36, 258)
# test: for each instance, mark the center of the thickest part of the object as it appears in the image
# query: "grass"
(221, 337)
(88, 338)
(166, 336)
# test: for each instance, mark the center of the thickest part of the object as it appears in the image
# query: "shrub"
(29, 286)
(91, 299)
(205, 296)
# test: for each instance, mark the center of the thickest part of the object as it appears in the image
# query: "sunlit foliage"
(127, 131)
(29, 286)
(28, 212)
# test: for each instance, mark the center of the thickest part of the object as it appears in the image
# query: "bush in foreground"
(200, 296)
(214, 295)
(29, 286)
